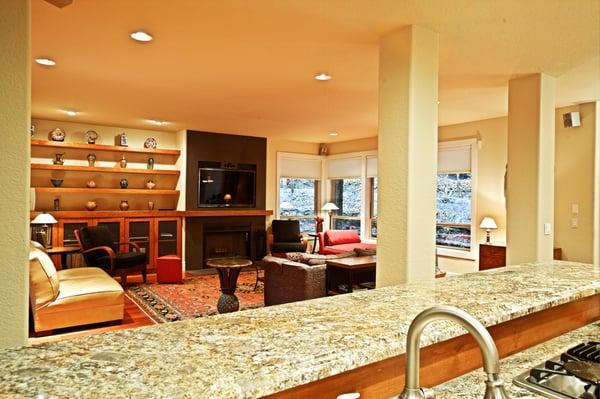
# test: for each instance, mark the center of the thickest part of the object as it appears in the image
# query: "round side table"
(229, 270)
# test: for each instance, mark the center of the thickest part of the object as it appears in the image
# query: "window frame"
(332, 198)
(472, 253)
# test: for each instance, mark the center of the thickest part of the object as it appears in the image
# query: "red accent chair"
(337, 241)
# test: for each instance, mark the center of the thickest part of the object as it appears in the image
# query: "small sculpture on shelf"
(91, 184)
(91, 158)
(124, 183)
(121, 140)
(91, 205)
(124, 205)
(57, 204)
(56, 182)
(32, 129)
(91, 136)
(57, 134)
(150, 164)
(123, 162)
(150, 143)
(58, 159)
(150, 205)
(150, 184)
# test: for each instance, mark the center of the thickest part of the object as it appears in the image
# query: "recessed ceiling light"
(45, 61)
(157, 122)
(323, 77)
(141, 36)
(71, 112)
(333, 134)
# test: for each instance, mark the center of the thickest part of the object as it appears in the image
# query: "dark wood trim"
(449, 359)
(230, 212)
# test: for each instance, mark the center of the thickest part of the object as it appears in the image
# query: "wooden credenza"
(492, 256)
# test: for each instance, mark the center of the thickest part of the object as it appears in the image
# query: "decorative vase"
(91, 205)
(58, 159)
(124, 205)
(150, 164)
(121, 140)
(150, 205)
(123, 162)
(150, 184)
(91, 184)
(91, 158)
(56, 182)
(124, 183)
(57, 134)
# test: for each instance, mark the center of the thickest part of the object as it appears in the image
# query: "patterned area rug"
(196, 297)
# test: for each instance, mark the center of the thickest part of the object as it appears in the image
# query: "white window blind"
(371, 166)
(344, 168)
(454, 159)
(305, 168)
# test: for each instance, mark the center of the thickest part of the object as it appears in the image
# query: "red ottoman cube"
(168, 269)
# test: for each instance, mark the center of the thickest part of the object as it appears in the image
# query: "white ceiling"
(246, 67)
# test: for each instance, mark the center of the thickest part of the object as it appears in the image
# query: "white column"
(530, 177)
(407, 158)
(15, 120)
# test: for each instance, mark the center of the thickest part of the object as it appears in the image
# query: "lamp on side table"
(42, 232)
(488, 223)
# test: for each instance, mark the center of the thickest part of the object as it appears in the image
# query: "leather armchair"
(99, 250)
(285, 237)
(287, 281)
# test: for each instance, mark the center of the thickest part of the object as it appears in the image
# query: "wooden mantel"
(228, 212)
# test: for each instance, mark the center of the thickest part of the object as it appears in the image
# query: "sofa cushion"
(283, 247)
(80, 273)
(337, 237)
(295, 256)
(315, 259)
(43, 279)
(87, 293)
(336, 249)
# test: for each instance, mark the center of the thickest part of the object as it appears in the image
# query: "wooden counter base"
(449, 359)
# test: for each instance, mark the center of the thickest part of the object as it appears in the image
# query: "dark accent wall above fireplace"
(205, 146)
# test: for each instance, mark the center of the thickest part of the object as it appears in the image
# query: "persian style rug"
(196, 297)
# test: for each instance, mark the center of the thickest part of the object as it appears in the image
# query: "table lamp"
(488, 223)
(42, 232)
(330, 207)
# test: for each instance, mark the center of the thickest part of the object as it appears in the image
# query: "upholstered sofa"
(339, 241)
(70, 297)
(288, 281)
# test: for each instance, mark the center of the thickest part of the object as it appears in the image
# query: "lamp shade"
(488, 222)
(330, 206)
(44, 218)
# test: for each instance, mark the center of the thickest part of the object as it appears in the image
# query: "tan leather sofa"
(71, 297)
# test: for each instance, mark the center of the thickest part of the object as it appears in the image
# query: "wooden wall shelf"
(109, 214)
(102, 147)
(70, 168)
(108, 191)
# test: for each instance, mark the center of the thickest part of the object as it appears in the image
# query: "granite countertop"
(257, 352)
(472, 386)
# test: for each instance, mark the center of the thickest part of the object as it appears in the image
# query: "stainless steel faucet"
(494, 387)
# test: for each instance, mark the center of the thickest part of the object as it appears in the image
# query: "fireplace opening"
(226, 242)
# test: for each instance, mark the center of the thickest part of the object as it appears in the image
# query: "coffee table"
(349, 272)
(229, 270)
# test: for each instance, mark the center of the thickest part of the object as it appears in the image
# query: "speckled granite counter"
(257, 352)
(471, 386)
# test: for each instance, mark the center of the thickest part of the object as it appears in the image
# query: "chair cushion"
(43, 279)
(336, 249)
(123, 261)
(282, 247)
(336, 237)
(286, 230)
(87, 293)
(80, 273)
(315, 259)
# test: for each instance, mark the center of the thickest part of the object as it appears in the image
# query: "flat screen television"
(226, 184)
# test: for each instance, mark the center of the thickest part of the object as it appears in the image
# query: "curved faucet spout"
(489, 352)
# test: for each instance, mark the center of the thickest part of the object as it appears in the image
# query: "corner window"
(454, 192)
(298, 199)
(373, 206)
(346, 194)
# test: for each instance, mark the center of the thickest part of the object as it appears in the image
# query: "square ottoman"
(168, 269)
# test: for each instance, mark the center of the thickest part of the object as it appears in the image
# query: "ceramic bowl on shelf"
(56, 182)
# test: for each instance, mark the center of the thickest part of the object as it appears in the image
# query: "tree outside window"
(346, 195)
(373, 207)
(298, 199)
(454, 191)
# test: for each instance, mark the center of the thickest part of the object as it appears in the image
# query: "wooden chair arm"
(132, 243)
(111, 254)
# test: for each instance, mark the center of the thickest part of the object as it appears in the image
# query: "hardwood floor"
(134, 317)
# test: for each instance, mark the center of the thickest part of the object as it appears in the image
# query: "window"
(456, 181)
(346, 194)
(453, 227)
(298, 199)
(373, 206)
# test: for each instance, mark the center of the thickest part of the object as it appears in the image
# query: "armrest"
(109, 251)
(135, 245)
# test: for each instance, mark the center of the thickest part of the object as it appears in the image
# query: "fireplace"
(226, 242)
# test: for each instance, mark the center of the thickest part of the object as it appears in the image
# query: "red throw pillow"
(336, 237)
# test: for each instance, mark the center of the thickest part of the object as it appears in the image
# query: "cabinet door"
(168, 236)
(140, 232)
(116, 226)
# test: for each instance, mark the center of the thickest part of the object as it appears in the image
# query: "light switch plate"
(575, 209)
(547, 229)
(574, 223)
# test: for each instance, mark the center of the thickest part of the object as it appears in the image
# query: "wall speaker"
(571, 119)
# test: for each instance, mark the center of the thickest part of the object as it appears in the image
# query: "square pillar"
(530, 171)
(407, 155)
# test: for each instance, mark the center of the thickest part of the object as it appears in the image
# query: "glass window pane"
(374, 228)
(346, 195)
(308, 225)
(454, 237)
(297, 197)
(454, 198)
(374, 197)
(346, 224)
